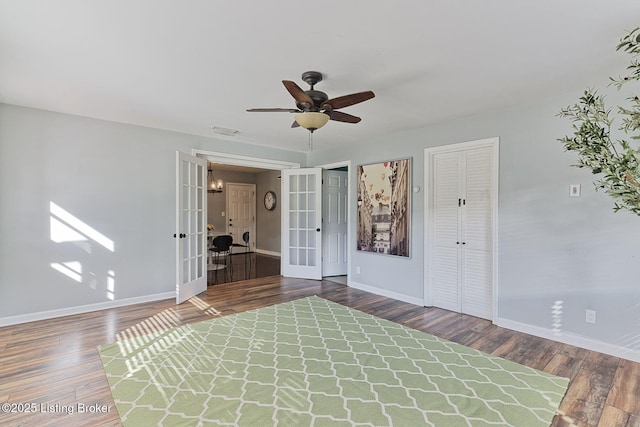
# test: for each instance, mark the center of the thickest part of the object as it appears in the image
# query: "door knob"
(318, 229)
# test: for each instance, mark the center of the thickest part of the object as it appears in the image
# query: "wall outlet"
(222, 213)
(590, 316)
(357, 269)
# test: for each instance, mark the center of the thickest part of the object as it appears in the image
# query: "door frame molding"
(239, 160)
(494, 143)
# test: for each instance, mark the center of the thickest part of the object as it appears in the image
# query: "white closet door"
(446, 231)
(477, 226)
(459, 243)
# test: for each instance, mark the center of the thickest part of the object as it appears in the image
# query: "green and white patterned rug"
(312, 362)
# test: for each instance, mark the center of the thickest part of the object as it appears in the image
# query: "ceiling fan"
(314, 108)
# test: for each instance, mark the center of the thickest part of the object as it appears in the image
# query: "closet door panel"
(477, 226)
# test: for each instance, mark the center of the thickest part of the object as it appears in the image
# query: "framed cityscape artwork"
(384, 208)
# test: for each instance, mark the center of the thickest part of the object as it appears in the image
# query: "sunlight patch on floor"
(204, 307)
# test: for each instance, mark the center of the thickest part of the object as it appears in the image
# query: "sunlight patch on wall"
(61, 233)
(111, 284)
(556, 317)
(65, 227)
(631, 339)
(71, 269)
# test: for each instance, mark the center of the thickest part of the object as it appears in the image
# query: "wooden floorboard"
(55, 362)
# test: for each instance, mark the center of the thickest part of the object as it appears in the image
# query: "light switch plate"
(574, 190)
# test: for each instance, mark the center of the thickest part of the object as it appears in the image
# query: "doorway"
(334, 221)
(275, 165)
(247, 178)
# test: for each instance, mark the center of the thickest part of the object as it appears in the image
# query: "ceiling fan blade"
(273, 110)
(297, 93)
(347, 100)
(339, 116)
(295, 124)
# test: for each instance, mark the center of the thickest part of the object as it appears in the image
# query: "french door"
(301, 253)
(190, 235)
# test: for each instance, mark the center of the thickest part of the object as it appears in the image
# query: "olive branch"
(617, 161)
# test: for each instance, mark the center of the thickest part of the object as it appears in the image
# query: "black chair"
(246, 246)
(221, 248)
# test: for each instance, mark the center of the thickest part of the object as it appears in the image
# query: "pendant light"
(213, 185)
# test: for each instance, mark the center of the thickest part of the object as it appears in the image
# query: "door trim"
(494, 143)
(238, 160)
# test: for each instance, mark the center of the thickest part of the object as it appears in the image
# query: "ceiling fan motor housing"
(318, 98)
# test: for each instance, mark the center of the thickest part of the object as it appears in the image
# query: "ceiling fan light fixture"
(312, 120)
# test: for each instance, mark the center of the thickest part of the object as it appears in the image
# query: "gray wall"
(551, 247)
(117, 179)
(268, 222)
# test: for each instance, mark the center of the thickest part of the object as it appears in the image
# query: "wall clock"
(270, 200)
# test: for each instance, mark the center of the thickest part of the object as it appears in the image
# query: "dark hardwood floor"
(246, 265)
(50, 365)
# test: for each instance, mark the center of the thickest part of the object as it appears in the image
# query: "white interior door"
(241, 212)
(191, 214)
(301, 253)
(460, 242)
(334, 221)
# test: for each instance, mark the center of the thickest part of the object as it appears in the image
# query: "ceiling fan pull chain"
(310, 141)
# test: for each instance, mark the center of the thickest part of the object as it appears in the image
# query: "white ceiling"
(191, 65)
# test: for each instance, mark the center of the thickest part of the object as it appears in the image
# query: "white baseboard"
(571, 339)
(385, 293)
(563, 336)
(263, 252)
(50, 314)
